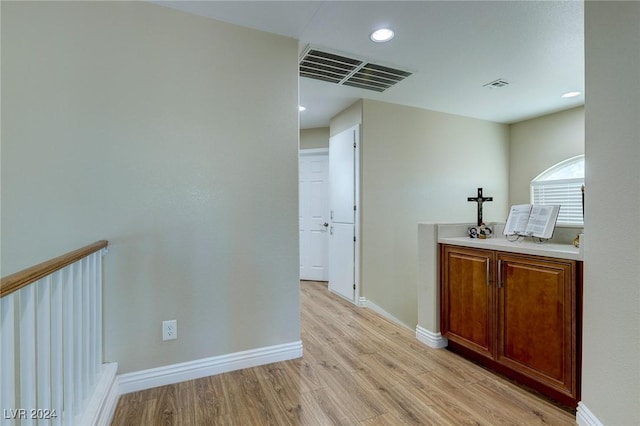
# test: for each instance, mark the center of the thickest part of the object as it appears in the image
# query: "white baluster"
(7, 352)
(67, 331)
(84, 339)
(99, 310)
(78, 338)
(56, 347)
(43, 346)
(27, 351)
(93, 323)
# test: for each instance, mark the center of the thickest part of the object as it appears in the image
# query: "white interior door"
(343, 248)
(342, 176)
(314, 215)
(341, 259)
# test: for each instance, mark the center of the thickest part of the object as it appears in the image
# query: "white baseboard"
(175, 373)
(102, 405)
(362, 301)
(431, 339)
(584, 416)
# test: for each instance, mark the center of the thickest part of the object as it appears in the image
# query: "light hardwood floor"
(357, 369)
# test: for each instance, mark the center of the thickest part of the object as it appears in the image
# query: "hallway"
(357, 369)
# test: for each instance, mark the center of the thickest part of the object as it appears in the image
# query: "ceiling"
(453, 49)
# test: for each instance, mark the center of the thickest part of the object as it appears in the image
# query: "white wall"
(420, 166)
(611, 332)
(173, 136)
(539, 143)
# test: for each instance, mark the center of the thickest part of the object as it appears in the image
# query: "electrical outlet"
(169, 330)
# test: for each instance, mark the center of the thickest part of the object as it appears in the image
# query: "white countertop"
(526, 246)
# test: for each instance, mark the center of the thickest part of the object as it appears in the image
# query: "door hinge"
(354, 144)
(354, 208)
(354, 239)
(354, 286)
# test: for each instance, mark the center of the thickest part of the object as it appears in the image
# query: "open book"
(531, 220)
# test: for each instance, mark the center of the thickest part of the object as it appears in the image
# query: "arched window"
(562, 184)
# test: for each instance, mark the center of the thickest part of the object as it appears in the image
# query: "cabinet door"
(468, 308)
(536, 325)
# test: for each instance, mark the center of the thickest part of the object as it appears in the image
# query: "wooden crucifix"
(480, 199)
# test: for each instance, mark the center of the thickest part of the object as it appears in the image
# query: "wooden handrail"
(18, 280)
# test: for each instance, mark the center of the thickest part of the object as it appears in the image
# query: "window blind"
(565, 192)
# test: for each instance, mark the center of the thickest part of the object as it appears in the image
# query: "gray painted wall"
(420, 166)
(124, 121)
(314, 138)
(611, 345)
(539, 143)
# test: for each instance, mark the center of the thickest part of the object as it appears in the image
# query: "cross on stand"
(480, 199)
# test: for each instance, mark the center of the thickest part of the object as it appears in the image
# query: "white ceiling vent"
(348, 71)
(501, 82)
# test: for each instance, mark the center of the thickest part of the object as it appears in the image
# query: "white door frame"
(314, 151)
(358, 299)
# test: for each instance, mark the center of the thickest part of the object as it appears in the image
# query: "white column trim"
(104, 398)
(431, 339)
(584, 416)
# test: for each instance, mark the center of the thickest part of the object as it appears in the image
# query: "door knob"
(325, 224)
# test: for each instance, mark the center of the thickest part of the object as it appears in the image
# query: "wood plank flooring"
(357, 369)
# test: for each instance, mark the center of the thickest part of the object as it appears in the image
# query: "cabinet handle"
(488, 280)
(499, 273)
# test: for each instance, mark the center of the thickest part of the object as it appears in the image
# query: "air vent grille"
(497, 84)
(334, 68)
(327, 66)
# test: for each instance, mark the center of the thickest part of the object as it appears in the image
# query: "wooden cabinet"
(468, 299)
(517, 314)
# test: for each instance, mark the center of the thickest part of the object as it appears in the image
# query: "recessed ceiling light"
(301, 108)
(382, 35)
(571, 94)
